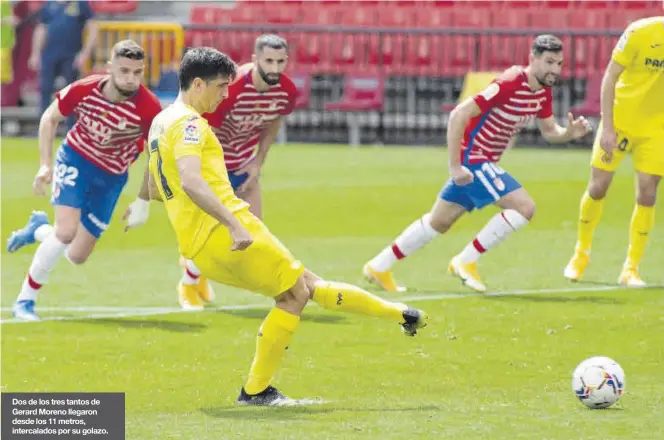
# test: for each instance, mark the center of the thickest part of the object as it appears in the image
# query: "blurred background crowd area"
(381, 72)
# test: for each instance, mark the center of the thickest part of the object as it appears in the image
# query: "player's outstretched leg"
(590, 212)
(344, 297)
(518, 209)
(193, 288)
(643, 220)
(417, 235)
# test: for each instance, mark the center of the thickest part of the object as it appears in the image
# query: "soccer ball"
(598, 382)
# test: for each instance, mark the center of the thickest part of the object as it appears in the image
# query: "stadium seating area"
(433, 38)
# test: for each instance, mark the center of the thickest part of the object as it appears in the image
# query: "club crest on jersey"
(191, 134)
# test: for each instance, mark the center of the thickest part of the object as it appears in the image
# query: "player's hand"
(461, 175)
(34, 63)
(577, 128)
(43, 178)
(608, 141)
(241, 238)
(136, 213)
(252, 169)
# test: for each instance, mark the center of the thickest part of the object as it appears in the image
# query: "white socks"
(417, 235)
(43, 231)
(48, 253)
(498, 229)
(191, 273)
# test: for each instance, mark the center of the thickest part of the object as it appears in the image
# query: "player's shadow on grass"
(294, 412)
(171, 326)
(259, 314)
(557, 299)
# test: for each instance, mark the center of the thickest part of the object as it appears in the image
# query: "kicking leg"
(643, 219)
(518, 208)
(590, 213)
(344, 297)
(441, 218)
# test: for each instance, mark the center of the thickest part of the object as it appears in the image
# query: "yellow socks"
(273, 338)
(348, 298)
(589, 215)
(643, 219)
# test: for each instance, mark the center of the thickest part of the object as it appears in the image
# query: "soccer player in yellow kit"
(632, 121)
(228, 243)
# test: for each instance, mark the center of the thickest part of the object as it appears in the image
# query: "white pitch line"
(148, 311)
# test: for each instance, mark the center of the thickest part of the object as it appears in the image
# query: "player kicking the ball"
(480, 129)
(229, 244)
(632, 120)
(113, 112)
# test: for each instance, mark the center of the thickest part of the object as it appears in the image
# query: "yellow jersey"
(176, 132)
(639, 103)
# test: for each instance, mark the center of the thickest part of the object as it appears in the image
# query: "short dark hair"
(128, 49)
(546, 43)
(205, 63)
(270, 40)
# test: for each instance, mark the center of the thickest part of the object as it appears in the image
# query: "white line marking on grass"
(149, 311)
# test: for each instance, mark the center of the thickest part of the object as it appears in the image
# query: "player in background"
(632, 121)
(225, 240)
(480, 129)
(246, 124)
(113, 112)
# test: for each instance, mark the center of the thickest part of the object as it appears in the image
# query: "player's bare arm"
(267, 138)
(608, 140)
(198, 190)
(48, 126)
(555, 134)
(459, 118)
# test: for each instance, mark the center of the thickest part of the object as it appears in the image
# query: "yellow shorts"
(6, 71)
(265, 267)
(647, 153)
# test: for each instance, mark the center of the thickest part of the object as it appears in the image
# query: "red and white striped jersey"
(107, 133)
(240, 119)
(508, 104)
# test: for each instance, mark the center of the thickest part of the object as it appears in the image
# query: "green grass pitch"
(494, 366)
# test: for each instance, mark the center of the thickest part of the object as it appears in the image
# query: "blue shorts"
(490, 184)
(237, 179)
(78, 183)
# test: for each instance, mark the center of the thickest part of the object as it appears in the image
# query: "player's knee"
(646, 196)
(65, 233)
(76, 257)
(599, 185)
(440, 224)
(527, 209)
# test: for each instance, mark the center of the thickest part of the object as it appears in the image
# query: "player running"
(113, 112)
(225, 240)
(632, 120)
(481, 128)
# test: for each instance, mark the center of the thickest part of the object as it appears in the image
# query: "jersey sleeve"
(188, 137)
(69, 97)
(627, 48)
(494, 94)
(151, 107)
(547, 106)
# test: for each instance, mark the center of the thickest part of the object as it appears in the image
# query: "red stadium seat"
(471, 18)
(400, 17)
(592, 104)
(433, 17)
(362, 93)
(114, 6)
(302, 83)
